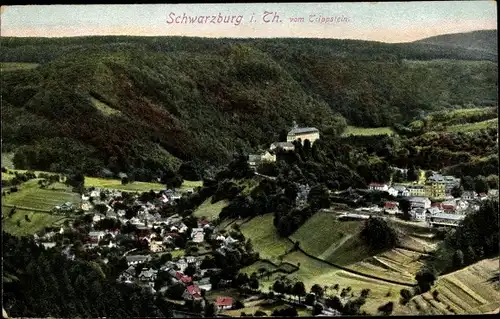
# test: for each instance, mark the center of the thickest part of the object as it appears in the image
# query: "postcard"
(249, 159)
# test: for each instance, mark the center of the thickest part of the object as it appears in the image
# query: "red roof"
(186, 279)
(436, 205)
(377, 185)
(179, 275)
(448, 207)
(224, 301)
(390, 204)
(173, 234)
(194, 290)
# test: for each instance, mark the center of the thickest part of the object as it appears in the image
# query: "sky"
(374, 21)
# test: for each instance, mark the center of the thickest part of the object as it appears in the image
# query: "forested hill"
(144, 102)
(485, 40)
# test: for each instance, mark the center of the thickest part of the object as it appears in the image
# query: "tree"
(175, 291)
(254, 283)
(319, 197)
(387, 308)
(238, 304)
(260, 313)
(413, 174)
(299, 289)
(365, 293)
(457, 191)
(467, 183)
(317, 309)
(405, 207)
(435, 294)
(458, 259)
(425, 278)
(279, 287)
(405, 296)
(125, 180)
(190, 270)
(481, 184)
(317, 290)
(378, 234)
(334, 303)
(310, 298)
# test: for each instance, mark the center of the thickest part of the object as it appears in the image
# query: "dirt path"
(330, 250)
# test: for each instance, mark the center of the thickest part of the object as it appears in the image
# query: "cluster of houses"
(295, 134)
(447, 211)
(437, 186)
(147, 221)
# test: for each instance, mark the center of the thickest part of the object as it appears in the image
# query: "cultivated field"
(134, 186)
(209, 210)
(471, 127)
(267, 242)
(36, 203)
(353, 130)
(472, 290)
(13, 66)
(31, 197)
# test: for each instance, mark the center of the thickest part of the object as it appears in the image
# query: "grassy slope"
(471, 127)
(36, 203)
(323, 230)
(264, 237)
(353, 130)
(14, 66)
(209, 210)
(467, 291)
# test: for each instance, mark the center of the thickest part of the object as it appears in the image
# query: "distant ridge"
(483, 40)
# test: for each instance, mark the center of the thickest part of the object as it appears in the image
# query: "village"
(173, 255)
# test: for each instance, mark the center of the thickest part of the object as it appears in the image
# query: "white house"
(287, 146)
(402, 190)
(420, 202)
(136, 259)
(302, 133)
(197, 235)
(378, 187)
(97, 217)
(392, 191)
(469, 195)
(419, 214)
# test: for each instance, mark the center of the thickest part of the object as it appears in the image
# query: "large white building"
(302, 133)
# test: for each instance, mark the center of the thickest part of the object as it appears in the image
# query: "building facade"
(302, 133)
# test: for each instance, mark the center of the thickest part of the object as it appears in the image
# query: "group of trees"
(46, 283)
(378, 235)
(474, 239)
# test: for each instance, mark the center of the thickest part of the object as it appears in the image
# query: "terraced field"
(267, 242)
(396, 264)
(31, 197)
(472, 290)
(209, 210)
(471, 127)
